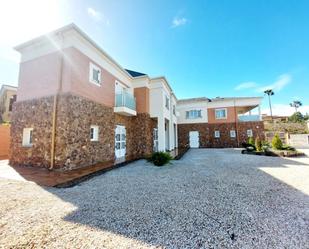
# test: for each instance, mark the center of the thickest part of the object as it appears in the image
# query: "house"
(7, 98)
(218, 122)
(76, 106)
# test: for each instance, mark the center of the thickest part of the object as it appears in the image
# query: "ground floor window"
(155, 140)
(217, 134)
(94, 133)
(249, 133)
(232, 133)
(27, 136)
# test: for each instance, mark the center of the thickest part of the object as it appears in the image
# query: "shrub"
(287, 147)
(160, 158)
(276, 142)
(258, 144)
(251, 141)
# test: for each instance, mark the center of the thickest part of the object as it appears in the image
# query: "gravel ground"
(210, 198)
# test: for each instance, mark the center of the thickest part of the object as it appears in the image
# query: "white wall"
(184, 107)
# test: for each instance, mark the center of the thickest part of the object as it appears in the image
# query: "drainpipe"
(236, 124)
(55, 104)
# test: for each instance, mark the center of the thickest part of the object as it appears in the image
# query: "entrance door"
(120, 141)
(194, 139)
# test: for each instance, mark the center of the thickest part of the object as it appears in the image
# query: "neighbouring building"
(218, 122)
(7, 98)
(76, 106)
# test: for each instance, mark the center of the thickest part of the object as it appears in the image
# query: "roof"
(134, 73)
(232, 98)
(7, 87)
(194, 100)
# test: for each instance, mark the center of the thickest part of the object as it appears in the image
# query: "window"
(193, 114)
(221, 113)
(174, 109)
(12, 100)
(94, 74)
(232, 133)
(94, 133)
(217, 134)
(167, 103)
(155, 140)
(27, 137)
(249, 133)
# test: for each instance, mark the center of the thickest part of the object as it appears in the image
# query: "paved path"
(211, 198)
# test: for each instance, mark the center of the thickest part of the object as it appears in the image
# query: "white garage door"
(194, 139)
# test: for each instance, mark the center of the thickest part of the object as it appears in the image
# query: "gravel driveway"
(212, 198)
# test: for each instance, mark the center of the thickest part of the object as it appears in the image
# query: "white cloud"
(97, 16)
(279, 84)
(246, 85)
(177, 21)
(285, 110)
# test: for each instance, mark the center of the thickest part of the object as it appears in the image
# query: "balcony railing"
(125, 99)
(248, 118)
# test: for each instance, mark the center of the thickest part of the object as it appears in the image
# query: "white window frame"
(250, 133)
(217, 134)
(27, 137)
(155, 140)
(91, 79)
(194, 114)
(219, 110)
(167, 102)
(95, 133)
(232, 133)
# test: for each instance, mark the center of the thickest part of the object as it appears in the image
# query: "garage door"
(194, 139)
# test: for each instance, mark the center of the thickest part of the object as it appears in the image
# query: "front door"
(194, 139)
(120, 141)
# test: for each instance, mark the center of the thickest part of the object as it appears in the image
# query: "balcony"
(125, 104)
(249, 118)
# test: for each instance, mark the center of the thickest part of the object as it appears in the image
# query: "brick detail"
(207, 134)
(74, 149)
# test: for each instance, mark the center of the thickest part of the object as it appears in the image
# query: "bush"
(258, 144)
(276, 142)
(287, 147)
(160, 158)
(251, 141)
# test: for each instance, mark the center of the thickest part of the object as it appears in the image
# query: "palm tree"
(270, 92)
(296, 104)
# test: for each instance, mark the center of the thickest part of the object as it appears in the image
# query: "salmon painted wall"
(40, 77)
(231, 115)
(142, 99)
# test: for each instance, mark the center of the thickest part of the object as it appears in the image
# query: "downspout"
(236, 124)
(55, 104)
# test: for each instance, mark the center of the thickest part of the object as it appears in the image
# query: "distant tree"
(270, 92)
(306, 117)
(297, 117)
(296, 104)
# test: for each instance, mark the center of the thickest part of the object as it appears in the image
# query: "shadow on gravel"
(209, 198)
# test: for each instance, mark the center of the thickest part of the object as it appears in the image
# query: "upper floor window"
(221, 113)
(167, 103)
(193, 114)
(174, 109)
(94, 74)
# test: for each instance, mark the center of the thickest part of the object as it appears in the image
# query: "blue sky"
(204, 48)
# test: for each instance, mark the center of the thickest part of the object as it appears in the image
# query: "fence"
(4, 141)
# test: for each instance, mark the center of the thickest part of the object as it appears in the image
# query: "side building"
(218, 122)
(76, 106)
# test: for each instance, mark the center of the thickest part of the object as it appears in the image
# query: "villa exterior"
(218, 122)
(77, 107)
